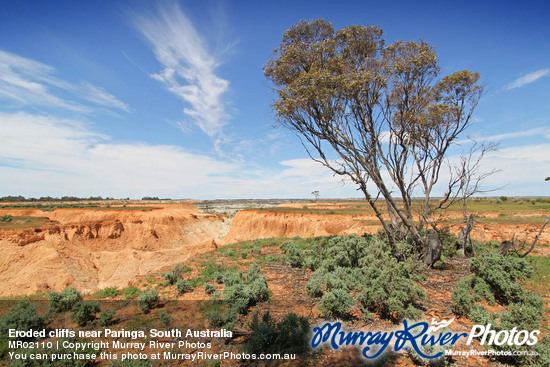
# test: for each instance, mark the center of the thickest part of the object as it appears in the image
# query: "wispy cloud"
(528, 78)
(32, 83)
(538, 131)
(189, 69)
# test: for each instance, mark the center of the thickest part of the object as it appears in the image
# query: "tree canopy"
(385, 111)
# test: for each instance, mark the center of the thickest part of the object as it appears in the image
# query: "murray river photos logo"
(419, 336)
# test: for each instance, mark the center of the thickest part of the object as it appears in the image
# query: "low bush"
(131, 292)
(64, 301)
(209, 288)
(6, 218)
(84, 312)
(22, 317)
(290, 335)
(182, 286)
(174, 275)
(110, 292)
(501, 274)
(106, 318)
(166, 319)
(364, 266)
(148, 300)
(336, 303)
(494, 278)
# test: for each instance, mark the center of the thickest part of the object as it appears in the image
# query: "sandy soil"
(94, 249)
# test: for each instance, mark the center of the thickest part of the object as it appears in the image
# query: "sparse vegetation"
(148, 300)
(64, 301)
(363, 266)
(288, 336)
(495, 278)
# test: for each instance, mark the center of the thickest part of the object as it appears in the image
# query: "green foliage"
(182, 286)
(365, 267)
(131, 292)
(23, 317)
(494, 278)
(391, 293)
(293, 255)
(174, 275)
(6, 218)
(64, 301)
(84, 312)
(336, 303)
(110, 292)
(288, 336)
(209, 288)
(314, 287)
(241, 291)
(106, 318)
(148, 300)
(501, 273)
(166, 319)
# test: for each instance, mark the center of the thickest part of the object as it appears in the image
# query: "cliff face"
(94, 249)
(252, 224)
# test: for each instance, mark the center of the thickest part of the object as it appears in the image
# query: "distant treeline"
(15, 199)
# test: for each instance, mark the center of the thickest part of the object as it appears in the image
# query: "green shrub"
(131, 292)
(84, 312)
(182, 286)
(166, 319)
(288, 336)
(314, 288)
(148, 300)
(6, 218)
(495, 278)
(106, 318)
(110, 292)
(336, 303)
(22, 317)
(209, 288)
(293, 255)
(64, 301)
(462, 298)
(500, 273)
(174, 275)
(364, 266)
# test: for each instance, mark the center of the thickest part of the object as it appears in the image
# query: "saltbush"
(290, 335)
(364, 266)
(148, 300)
(84, 312)
(494, 278)
(106, 317)
(174, 275)
(64, 301)
(23, 317)
(500, 273)
(336, 303)
(182, 286)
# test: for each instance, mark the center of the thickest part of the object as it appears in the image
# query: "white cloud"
(528, 78)
(189, 70)
(538, 131)
(42, 155)
(32, 83)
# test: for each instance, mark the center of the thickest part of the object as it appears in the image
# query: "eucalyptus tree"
(376, 113)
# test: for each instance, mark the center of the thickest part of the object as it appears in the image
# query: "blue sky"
(136, 98)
